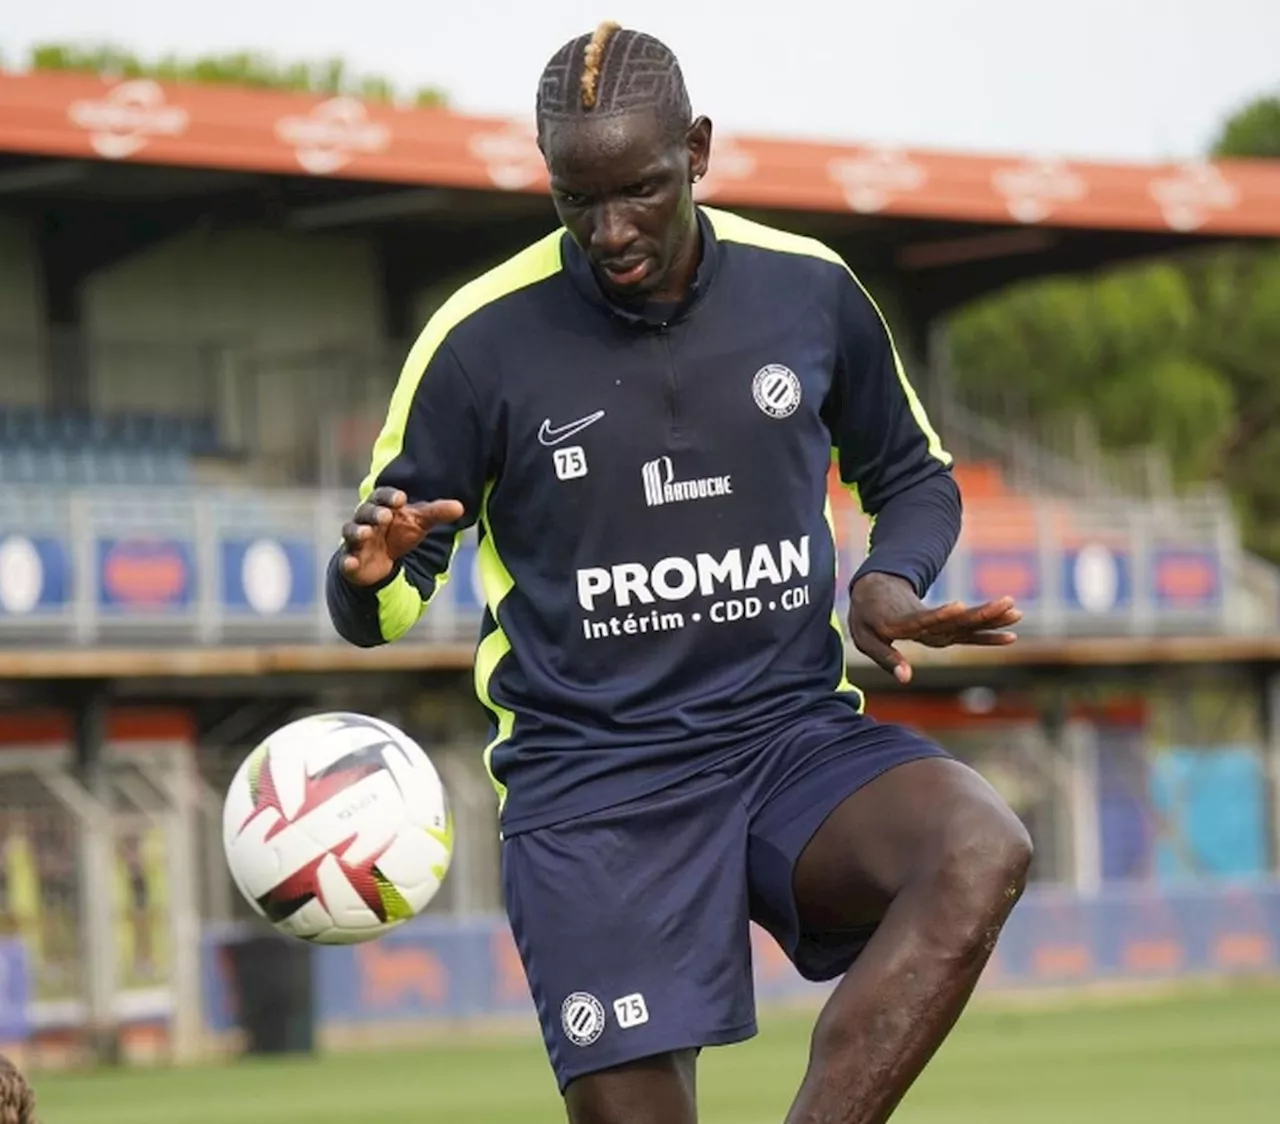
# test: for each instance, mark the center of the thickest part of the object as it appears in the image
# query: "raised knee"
(981, 873)
(1006, 849)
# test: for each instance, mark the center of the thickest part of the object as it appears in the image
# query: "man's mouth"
(626, 273)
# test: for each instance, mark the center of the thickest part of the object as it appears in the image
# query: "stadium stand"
(88, 449)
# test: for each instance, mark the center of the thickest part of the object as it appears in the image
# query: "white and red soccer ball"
(337, 828)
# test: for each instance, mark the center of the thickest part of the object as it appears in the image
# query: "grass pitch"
(1211, 1057)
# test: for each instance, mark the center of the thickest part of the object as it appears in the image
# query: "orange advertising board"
(264, 131)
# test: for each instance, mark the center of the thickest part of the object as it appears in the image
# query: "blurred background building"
(206, 291)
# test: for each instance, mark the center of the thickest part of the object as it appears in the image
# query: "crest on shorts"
(582, 1016)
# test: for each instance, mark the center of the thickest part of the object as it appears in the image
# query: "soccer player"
(639, 413)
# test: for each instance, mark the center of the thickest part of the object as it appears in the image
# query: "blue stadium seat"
(125, 432)
(104, 430)
(28, 465)
(13, 470)
(114, 468)
(204, 437)
(50, 466)
(173, 468)
(106, 467)
(145, 469)
(148, 429)
(68, 429)
(84, 449)
(81, 467)
(170, 433)
(26, 426)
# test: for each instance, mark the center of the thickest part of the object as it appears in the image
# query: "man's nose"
(613, 231)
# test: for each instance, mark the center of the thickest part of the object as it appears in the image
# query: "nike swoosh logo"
(549, 436)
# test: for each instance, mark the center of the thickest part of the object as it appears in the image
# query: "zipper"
(671, 383)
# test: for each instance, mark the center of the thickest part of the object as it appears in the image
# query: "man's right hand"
(384, 529)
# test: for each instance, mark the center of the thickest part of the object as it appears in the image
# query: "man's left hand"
(885, 609)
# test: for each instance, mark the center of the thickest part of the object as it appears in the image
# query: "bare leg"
(932, 853)
(658, 1090)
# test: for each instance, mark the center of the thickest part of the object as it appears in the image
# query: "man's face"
(623, 190)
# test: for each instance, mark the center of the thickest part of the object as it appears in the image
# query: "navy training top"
(655, 540)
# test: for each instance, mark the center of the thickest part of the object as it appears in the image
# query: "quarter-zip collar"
(654, 313)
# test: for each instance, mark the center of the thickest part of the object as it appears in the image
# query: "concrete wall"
(204, 301)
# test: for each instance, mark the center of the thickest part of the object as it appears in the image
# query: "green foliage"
(1183, 354)
(1253, 132)
(247, 69)
(1121, 349)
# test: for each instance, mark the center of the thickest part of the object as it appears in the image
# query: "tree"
(1119, 349)
(241, 68)
(1182, 354)
(1253, 132)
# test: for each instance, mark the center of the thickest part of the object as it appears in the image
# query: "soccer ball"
(337, 828)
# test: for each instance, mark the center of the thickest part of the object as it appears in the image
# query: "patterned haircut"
(611, 72)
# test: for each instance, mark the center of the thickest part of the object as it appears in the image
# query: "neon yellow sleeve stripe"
(400, 605)
(732, 228)
(497, 582)
(531, 265)
(913, 400)
(844, 686)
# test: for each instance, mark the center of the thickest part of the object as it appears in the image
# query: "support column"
(184, 905)
(1080, 743)
(66, 352)
(1077, 834)
(397, 282)
(97, 875)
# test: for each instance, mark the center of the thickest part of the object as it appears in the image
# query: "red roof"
(265, 131)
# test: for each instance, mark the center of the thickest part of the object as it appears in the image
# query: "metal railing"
(220, 566)
(1063, 455)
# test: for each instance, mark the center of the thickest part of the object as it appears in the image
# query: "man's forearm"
(915, 532)
(354, 610)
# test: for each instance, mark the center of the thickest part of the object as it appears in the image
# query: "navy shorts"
(632, 922)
